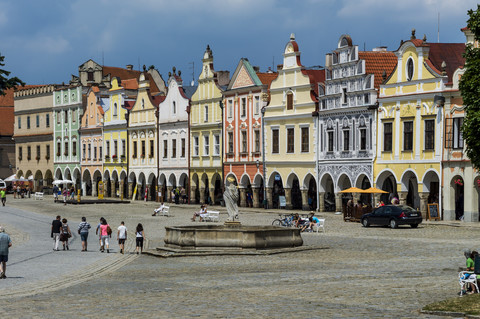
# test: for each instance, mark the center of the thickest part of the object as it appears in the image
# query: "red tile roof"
(124, 74)
(6, 120)
(157, 99)
(376, 62)
(451, 53)
(129, 104)
(267, 78)
(316, 76)
(130, 84)
(7, 99)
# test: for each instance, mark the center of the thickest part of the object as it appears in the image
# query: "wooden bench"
(212, 216)
(38, 195)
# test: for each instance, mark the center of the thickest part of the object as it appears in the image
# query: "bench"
(38, 195)
(212, 216)
(166, 211)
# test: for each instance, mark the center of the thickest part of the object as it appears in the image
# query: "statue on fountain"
(230, 196)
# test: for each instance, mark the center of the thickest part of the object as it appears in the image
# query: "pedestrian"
(3, 194)
(140, 236)
(55, 193)
(64, 193)
(159, 209)
(122, 236)
(106, 233)
(83, 228)
(99, 233)
(72, 193)
(65, 234)
(18, 191)
(5, 244)
(55, 234)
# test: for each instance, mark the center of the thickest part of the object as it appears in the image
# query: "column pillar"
(305, 205)
(94, 188)
(168, 196)
(120, 191)
(243, 197)
(149, 192)
(193, 190)
(130, 190)
(112, 189)
(423, 203)
(84, 188)
(212, 195)
(338, 202)
(321, 198)
(202, 195)
(256, 197)
(269, 197)
(356, 198)
(402, 198)
(376, 199)
(288, 198)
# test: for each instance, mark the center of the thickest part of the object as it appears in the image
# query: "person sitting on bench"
(159, 209)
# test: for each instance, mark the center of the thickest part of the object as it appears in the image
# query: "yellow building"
(290, 130)
(410, 122)
(206, 177)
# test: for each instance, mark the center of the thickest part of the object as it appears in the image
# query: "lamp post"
(223, 140)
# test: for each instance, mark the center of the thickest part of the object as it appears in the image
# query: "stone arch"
(19, 173)
(28, 174)
(107, 186)
(409, 184)
(77, 179)
(97, 177)
(132, 181)
(141, 186)
(58, 173)
(271, 179)
(87, 183)
(115, 188)
(172, 180)
(195, 189)
(217, 185)
(457, 192)
(152, 191)
(183, 180)
(123, 183)
(327, 188)
(276, 189)
(245, 180)
(310, 188)
(38, 181)
(363, 182)
(67, 174)
(48, 179)
(343, 182)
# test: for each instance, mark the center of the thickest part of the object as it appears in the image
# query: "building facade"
(290, 130)
(173, 132)
(206, 167)
(33, 133)
(347, 121)
(242, 118)
(7, 142)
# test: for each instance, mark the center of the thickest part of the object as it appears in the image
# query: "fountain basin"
(224, 237)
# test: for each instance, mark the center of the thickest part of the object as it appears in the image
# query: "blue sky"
(45, 41)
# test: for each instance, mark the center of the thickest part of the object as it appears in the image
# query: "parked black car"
(393, 215)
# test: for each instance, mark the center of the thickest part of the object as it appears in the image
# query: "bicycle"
(284, 221)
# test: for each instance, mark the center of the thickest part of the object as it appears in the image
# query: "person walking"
(55, 233)
(122, 236)
(55, 193)
(66, 234)
(72, 193)
(106, 233)
(5, 244)
(64, 193)
(140, 236)
(3, 194)
(83, 228)
(99, 233)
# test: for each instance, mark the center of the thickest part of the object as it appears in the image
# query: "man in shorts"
(55, 234)
(5, 244)
(122, 237)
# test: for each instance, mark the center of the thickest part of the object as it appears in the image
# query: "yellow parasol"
(374, 190)
(352, 190)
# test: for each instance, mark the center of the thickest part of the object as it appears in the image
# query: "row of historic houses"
(293, 138)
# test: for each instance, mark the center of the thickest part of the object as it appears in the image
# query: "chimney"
(328, 60)
(129, 67)
(279, 67)
(380, 49)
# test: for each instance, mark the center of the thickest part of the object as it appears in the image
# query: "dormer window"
(410, 69)
(115, 109)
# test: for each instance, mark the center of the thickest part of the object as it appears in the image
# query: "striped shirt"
(83, 227)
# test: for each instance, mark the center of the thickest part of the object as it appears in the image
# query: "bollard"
(78, 195)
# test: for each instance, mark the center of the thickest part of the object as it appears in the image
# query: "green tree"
(5, 82)
(470, 88)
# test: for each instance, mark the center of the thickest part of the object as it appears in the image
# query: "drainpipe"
(189, 194)
(157, 115)
(316, 126)
(223, 140)
(127, 117)
(265, 202)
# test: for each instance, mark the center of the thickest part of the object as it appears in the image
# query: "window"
(29, 152)
(174, 148)
(195, 145)
(457, 133)
(143, 149)
(135, 149)
(216, 149)
(47, 156)
(410, 69)
(275, 148)
(230, 142)
(115, 109)
(47, 120)
(344, 95)
(123, 148)
(86, 120)
(346, 140)
(244, 107)
(206, 113)
(305, 139)
(429, 134)
(94, 152)
(66, 149)
(206, 145)
(28, 122)
(289, 101)
(20, 153)
(244, 141)
(257, 140)
(19, 122)
(366, 98)
(38, 120)
(115, 148)
(74, 148)
(100, 155)
(183, 147)
(387, 137)
(107, 147)
(174, 107)
(66, 116)
(59, 148)
(165, 148)
(90, 76)
(143, 103)
(290, 140)
(230, 108)
(74, 118)
(257, 105)
(363, 139)
(330, 141)
(58, 117)
(38, 152)
(408, 136)
(152, 149)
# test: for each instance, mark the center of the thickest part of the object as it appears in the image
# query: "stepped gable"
(376, 62)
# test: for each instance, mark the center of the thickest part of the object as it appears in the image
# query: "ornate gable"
(242, 79)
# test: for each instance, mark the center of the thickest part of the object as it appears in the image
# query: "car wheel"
(393, 223)
(414, 225)
(365, 222)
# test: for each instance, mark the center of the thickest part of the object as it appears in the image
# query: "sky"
(45, 41)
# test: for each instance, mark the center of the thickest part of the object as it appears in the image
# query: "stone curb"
(449, 314)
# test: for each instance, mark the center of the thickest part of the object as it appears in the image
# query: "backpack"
(109, 230)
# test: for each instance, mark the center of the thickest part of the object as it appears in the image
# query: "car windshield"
(408, 209)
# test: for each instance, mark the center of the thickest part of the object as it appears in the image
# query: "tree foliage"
(5, 82)
(470, 88)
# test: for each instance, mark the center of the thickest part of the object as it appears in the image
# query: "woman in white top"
(202, 213)
(140, 236)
